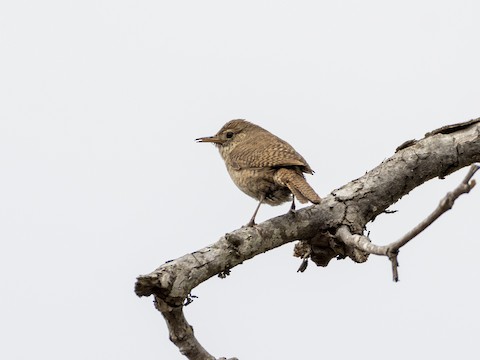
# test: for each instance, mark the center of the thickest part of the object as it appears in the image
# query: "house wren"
(262, 165)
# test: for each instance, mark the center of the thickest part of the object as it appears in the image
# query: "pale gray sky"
(101, 179)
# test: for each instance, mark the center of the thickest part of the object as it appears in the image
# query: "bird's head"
(230, 133)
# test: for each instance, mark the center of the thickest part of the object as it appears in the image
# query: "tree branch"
(330, 229)
(181, 333)
(391, 250)
(445, 204)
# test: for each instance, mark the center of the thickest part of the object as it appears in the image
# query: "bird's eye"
(229, 135)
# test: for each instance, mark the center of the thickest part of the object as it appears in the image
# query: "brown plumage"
(262, 165)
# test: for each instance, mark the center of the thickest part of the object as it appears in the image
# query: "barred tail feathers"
(297, 185)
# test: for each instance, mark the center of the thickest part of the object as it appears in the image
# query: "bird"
(262, 165)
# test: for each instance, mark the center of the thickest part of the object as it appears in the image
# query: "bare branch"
(359, 241)
(391, 250)
(174, 280)
(181, 333)
(325, 230)
(445, 204)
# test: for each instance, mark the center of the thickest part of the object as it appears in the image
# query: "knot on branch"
(323, 247)
(155, 283)
(234, 239)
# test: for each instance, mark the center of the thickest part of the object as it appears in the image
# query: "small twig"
(303, 265)
(394, 260)
(445, 204)
(189, 299)
(359, 241)
(390, 211)
(391, 250)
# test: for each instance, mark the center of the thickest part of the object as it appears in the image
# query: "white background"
(101, 180)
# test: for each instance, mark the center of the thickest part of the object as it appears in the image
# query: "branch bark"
(331, 229)
(363, 243)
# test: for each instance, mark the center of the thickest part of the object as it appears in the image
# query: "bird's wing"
(264, 151)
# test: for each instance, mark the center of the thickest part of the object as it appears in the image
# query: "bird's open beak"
(211, 139)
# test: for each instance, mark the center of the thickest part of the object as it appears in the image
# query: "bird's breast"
(259, 183)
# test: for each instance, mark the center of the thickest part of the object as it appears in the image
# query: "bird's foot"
(251, 223)
(292, 210)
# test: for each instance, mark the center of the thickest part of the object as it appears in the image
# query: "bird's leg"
(292, 207)
(252, 220)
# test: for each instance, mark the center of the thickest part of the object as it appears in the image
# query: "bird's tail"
(297, 184)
